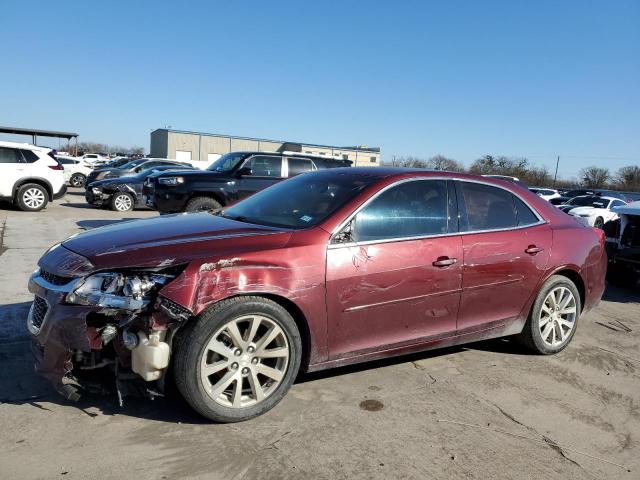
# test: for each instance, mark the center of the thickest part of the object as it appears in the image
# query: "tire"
(599, 223)
(202, 204)
(237, 366)
(78, 180)
(122, 202)
(535, 328)
(32, 197)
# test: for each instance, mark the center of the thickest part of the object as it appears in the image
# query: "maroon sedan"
(326, 269)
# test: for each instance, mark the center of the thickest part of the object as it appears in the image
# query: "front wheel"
(238, 359)
(553, 318)
(202, 204)
(599, 223)
(32, 197)
(122, 202)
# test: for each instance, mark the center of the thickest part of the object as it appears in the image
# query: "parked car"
(30, 176)
(75, 171)
(547, 193)
(228, 179)
(595, 211)
(325, 269)
(124, 193)
(580, 192)
(624, 266)
(133, 167)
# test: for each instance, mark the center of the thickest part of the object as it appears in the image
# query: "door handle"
(444, 262)
(533, 250)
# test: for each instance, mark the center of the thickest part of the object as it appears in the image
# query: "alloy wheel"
(244, 361)
(122, 203)
(557, 316)
(77, 181)
(33, 198)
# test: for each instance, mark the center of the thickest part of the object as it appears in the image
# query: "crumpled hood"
(114, 181)
(171, 239)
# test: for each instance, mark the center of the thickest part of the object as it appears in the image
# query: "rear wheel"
(238, 359)
(122, 202)
(78, 180)
(32, 197)
(553, 318)
(201, 204)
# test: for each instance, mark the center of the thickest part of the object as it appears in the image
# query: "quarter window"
(263, 166)
(299, 165)
(30, 156)
(10, 155)
(411, 209)
(487, 207)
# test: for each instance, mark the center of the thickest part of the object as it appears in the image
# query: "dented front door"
(392, 294)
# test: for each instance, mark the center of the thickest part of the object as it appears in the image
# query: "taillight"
(55, 167)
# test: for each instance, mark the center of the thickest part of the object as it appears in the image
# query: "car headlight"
(171, 180)
(117, 290)
(96, 190)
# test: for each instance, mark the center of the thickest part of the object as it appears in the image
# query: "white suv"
(30, 176)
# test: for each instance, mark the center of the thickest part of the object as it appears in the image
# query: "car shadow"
(90, 224)
(20, 385)
(13, 318)
(617, 294)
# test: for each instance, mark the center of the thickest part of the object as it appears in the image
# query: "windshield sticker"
(306, 218)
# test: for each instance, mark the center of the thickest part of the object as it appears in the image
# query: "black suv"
(230, 178)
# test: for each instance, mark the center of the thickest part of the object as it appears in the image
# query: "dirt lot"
(487, 410)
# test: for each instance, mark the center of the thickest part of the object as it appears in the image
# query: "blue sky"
(458, 78)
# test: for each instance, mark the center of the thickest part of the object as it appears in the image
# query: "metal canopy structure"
(34, 133)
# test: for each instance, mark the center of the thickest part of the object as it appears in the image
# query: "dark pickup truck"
(230, 178)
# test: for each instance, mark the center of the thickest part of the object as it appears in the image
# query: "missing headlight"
(118, 290)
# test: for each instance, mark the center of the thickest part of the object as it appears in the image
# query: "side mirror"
(244, 171)
(346, 235)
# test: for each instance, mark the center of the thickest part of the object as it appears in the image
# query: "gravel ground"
(486, 410)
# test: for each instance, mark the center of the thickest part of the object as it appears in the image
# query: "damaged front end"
(113, 321)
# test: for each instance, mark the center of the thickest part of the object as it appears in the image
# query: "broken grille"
(40, 308)
(54, 279)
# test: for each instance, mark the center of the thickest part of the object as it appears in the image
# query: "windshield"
(131, 164)
(227, 162)
(301, 202)
(589, 201)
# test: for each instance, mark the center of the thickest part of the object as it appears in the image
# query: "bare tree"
(410, 162)
(595, 177)
(628, 178)
(440, 162)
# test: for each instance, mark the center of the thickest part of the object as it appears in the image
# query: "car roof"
(26, 146)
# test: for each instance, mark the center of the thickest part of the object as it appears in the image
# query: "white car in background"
(593, 210)
(30, 176)
(76, 170)
(546, 193)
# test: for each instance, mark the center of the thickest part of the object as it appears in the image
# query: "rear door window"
(486, 207)
(265, 166)
(524, 213)
(10, 155)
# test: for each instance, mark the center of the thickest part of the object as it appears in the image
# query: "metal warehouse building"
(182, 145)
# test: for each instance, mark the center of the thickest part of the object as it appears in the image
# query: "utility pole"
(555, 177)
